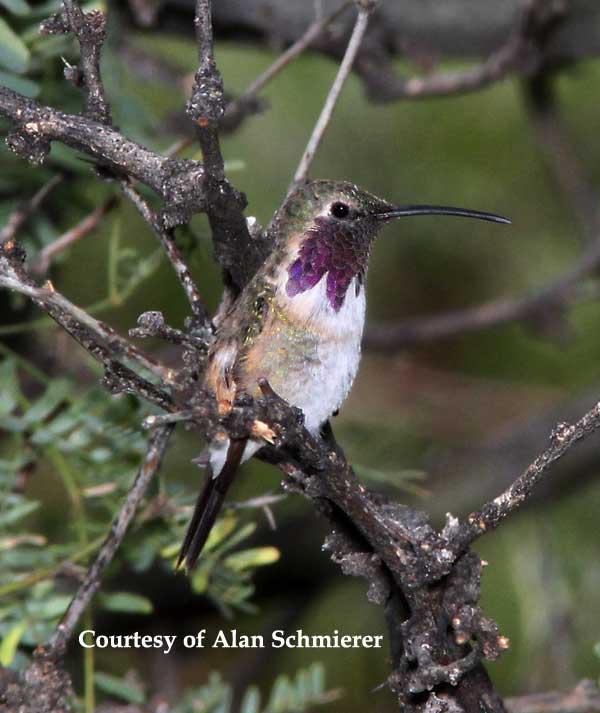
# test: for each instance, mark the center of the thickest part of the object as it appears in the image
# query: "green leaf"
(16, 7)
(9, 394)
(283, 696)
(10, 643)
(201, 579)
(10, 468)
(254, 557)
(235, 165)
(102, 454)
(51, 608)
(64, 157)
(12, 424)
(14, 54)
(222, 529)
(119, 688)
(317, 678)
(126, 602)
(58, 426)
(251, 701)
(44, 9)
(169, 551)
(19, 84)
(54, 395)
(16, 513)
(240, 535)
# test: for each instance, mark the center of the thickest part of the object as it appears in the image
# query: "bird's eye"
(340, 210)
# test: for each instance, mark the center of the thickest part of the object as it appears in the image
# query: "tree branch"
(167, 240)
(90, 585)
(426, 34)
(480, 471)
(97, 338)
(584, 698)
(548, 301)
(522, 52)
(553, 138)
(488, 517)
(365, 7)
(388, 337)
(180, 182)
(23, 211)
(236, 108)
(41, 262)
(90, 30)
(225, 205)
(371, 532)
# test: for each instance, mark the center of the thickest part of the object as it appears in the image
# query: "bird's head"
(327, 228)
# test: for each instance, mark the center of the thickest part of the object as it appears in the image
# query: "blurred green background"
(476, 151)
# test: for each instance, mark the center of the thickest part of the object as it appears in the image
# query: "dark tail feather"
(208, 506)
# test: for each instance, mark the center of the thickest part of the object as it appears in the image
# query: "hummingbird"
(297, 324)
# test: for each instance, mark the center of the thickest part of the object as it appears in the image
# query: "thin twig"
(584, 698)
(498, 66)
(304, 41)
(393, 546)
(488, 517)
(390, 336)
(263, 502)
(224, 205)
(173, 253)
(247, 103)
(178, 146)
(160, 420)
(156, 450)
(523, 50)
(206, 105)
(152, 324)
(86, 225)
(564, 290)
(90, 30)
(23, 211)
(354, 43)
(562, 155)
(100, 340)
(260, 501)
(180, 182)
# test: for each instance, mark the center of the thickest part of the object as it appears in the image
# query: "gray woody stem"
(90, 585)
(354, 43)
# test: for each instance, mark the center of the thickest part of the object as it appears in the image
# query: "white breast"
(331, 372)
(325, 380)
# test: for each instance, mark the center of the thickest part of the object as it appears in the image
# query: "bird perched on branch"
(298, 323)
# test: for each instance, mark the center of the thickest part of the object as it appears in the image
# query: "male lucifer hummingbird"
(298, 323)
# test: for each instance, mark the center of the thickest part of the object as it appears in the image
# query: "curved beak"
(408, 210)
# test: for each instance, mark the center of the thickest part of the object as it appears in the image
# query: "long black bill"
(408, 210)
